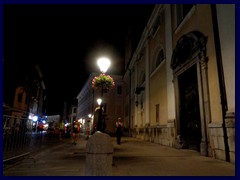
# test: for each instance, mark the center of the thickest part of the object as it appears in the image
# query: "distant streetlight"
(99, 101)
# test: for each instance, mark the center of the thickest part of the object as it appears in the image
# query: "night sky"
(65, 40)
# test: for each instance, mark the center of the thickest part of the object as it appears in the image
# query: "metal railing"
(21, 139)
(17, 137)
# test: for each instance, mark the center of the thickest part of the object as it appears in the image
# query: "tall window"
(157, 113)
(182, 11)
(143, 78)
(160, 58)
(142, 101)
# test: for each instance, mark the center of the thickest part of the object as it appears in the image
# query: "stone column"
(170, 86)
(147, 86)
(204, 102)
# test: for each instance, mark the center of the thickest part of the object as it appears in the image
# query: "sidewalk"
(133, 157)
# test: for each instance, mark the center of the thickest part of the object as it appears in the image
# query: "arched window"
(158, 58)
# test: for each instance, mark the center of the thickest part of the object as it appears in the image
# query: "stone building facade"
(180, 80)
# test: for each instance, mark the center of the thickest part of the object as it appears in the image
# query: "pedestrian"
(75, 131)
(56, 132)
(68, 131)
(61, 129)
(41, 127)
(119, 130)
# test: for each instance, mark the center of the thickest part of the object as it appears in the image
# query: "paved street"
(132, 158)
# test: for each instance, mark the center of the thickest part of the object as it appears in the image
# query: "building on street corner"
(182, 79)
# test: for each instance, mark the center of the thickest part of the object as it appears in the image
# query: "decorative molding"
(187, 46)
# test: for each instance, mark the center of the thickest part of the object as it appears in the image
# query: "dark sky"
(65, 40)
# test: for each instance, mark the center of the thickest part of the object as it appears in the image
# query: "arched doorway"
(189, 64)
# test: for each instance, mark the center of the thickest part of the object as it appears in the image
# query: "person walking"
(119, 130)
(61, 129)
(75, 131)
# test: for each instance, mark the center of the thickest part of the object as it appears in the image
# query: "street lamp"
(89, 117)
(103, 64)
(99, 101)
(89, 125)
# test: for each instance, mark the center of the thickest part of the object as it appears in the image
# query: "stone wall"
(217, 138)
(230, 125)
(164, 135)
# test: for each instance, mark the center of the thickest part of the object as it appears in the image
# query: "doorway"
(190, 123)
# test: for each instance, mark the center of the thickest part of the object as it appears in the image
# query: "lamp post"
(103, 64)
(99, 124)
(88, 125)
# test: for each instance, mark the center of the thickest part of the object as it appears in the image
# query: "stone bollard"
(99, 154)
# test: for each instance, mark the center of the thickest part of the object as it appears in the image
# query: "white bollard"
(99, 155)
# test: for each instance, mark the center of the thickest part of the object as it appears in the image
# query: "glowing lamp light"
(99, 101)
(103, 64)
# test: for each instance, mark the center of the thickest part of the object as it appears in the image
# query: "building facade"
(180, 80)
(24, 93)
(112, 102)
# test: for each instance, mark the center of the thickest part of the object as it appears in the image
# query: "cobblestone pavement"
(133, 157)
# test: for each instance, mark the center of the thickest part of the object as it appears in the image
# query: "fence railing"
(17, 136)
(20, 138)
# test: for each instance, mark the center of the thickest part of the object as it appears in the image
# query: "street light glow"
(103, 64)
(99, 101)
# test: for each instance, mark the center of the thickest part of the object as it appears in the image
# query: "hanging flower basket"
(103, 81)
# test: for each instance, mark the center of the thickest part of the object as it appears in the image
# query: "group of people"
(75, 130)
(61, 131)
(72, 131)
